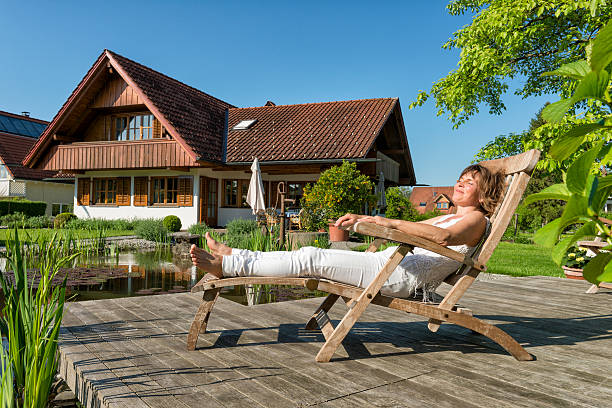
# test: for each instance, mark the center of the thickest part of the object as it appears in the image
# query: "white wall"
(49, 192)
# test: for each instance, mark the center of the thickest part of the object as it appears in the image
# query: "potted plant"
(574, 261)
(341, 189)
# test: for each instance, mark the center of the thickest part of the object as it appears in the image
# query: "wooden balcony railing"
(117, 155)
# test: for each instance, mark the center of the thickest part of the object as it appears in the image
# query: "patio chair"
(518, 170)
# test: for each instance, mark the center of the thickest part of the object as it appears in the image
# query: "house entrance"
(208, 201)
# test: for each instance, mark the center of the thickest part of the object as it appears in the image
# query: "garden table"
(595, 246)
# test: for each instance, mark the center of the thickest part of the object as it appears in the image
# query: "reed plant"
(7, 395)
(32, 317)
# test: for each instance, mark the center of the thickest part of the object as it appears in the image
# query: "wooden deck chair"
(518, 170)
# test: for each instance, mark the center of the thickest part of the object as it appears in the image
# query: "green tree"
(513, 39)
(399, 205)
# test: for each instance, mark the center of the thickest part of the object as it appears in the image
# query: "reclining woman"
(476, 195)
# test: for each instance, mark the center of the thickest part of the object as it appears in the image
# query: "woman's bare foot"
(216, 247)
(210, 263)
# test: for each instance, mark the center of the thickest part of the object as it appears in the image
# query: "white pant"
(350, 267)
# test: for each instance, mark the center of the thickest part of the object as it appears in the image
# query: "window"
(172, 191)
(442, 206)
(67, 208)
(105, 191)
(55, 209)
(235, 192)
(244, 124)
(133, 127)
(83, 191)
(422, 204)
(4, 174)
(295, 191)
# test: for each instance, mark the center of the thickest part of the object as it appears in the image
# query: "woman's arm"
(468, 230)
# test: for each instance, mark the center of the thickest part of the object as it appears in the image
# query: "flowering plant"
(576, 257)
(340, 190)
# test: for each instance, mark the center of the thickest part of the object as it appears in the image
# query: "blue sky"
(249, 52)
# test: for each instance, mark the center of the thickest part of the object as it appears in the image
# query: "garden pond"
(143, 273)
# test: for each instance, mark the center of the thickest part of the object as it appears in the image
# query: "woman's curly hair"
(491, 186)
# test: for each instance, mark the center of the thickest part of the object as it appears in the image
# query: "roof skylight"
(244, 124)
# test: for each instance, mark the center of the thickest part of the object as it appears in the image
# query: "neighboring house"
(18, 133)
(427, 199)
(145, 145)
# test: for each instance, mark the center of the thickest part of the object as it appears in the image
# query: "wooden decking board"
(464, 380)
(450, 368)
(245, 353)
(232, 374)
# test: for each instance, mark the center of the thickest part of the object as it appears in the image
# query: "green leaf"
(574, 70)
(601, 53)
(578, 172)
(559, 250)
(554, 192)
(598, 268)
(593, 85)
(575, 211)
(567, 144)
(547, 235)
(605, 182)
(555, 111)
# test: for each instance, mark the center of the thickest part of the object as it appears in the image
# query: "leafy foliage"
(199, 229)
(172, 223)
(399, 205)
(152, 230)
(340, 190)
(585, 189)
(522, 38)
(61, 219)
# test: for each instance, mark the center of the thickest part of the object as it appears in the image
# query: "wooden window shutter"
(83, 191)
(123, 191)
(185, 192)
(157, 129)
(140, 191)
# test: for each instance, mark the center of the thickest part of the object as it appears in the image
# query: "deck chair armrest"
(392, 234)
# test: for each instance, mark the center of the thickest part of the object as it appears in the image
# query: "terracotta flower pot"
(336, 234)
(573, 273)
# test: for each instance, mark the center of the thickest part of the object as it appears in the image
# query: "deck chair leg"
(334, 340)
(200, 320)
(325, 306)
(451, 299)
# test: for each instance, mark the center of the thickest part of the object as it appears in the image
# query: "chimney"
(270, 103)
(26, 114)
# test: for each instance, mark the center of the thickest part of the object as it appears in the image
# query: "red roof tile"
(428, 196)
(329, 130)
(13, 149)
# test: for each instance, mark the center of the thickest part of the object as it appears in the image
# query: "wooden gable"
(116, 93)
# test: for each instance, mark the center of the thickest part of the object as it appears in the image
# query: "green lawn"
(522, 260)
(80, 234)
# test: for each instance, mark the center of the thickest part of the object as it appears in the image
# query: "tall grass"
(32, 317)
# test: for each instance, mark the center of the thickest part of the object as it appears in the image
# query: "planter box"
(573, 273)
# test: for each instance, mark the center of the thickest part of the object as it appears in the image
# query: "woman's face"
(466, 191)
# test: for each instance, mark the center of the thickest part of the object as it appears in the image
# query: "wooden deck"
(131, 352)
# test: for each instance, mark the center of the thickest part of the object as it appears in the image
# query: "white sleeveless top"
(426, 270)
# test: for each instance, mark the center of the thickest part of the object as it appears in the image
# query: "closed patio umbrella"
(380, 191)
(255, 195)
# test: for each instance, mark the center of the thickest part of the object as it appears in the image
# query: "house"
(18, 133)
(143, 144)
(427, 199)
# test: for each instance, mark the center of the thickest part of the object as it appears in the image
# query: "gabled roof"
(329, 130)
(13, 148)
(21, 125)
(440, 196)
(195, 119)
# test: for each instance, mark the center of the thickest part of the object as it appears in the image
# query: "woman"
(476, 195)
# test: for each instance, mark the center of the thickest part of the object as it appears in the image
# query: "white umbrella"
(382, 198)
(255, 195)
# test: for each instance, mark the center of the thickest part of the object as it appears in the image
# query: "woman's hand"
(348, 220)
(378, 220)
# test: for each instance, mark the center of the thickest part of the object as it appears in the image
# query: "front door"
(208, 201)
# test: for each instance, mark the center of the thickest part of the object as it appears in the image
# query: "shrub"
(151, 230)
(240, 226)
(20, 205)
(14, 220)
(399, 205)
(429, 214)
(199, 229)
(41, 221)
(62, 219)
(340, 190)
(172, 223)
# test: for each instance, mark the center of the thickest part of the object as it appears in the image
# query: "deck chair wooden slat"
(518, 170)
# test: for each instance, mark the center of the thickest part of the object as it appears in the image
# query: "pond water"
(150, 273)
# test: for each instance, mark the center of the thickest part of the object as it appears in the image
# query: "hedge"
(29, 208)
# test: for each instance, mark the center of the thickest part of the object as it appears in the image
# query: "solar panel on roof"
(22, 127)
